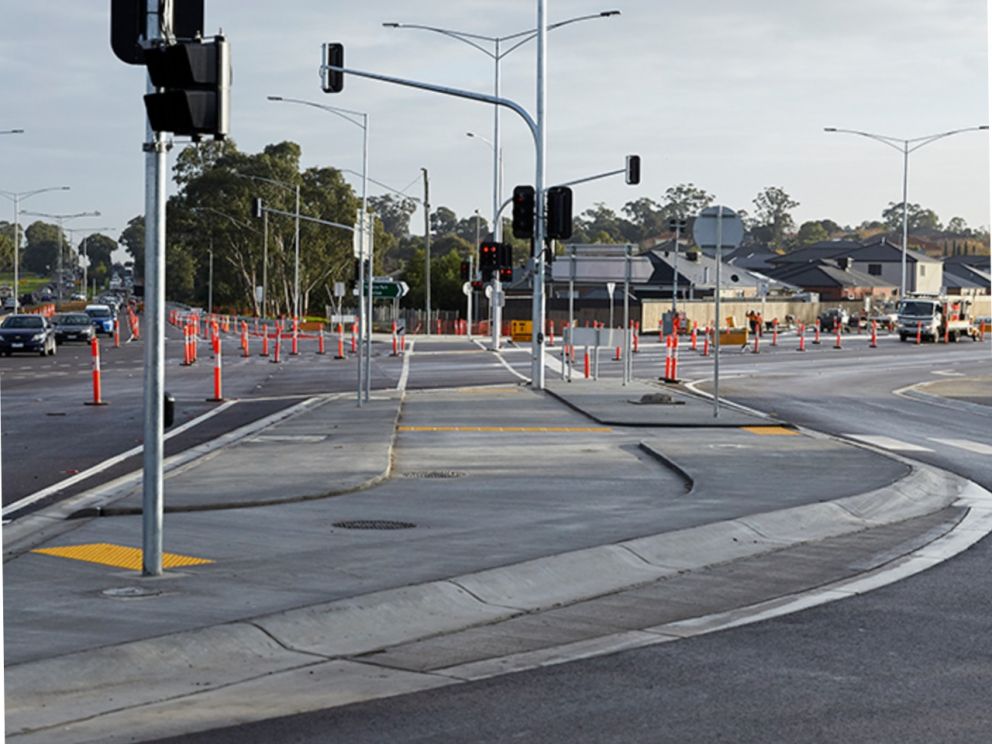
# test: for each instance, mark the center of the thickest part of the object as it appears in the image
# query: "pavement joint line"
(497, 429)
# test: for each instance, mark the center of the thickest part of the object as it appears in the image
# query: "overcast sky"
(730, 95)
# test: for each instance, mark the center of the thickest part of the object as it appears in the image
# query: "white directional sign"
(360, 249)
(467, 288)
(611, 287)
(704, 229)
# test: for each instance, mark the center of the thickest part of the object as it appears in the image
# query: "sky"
(731, 96)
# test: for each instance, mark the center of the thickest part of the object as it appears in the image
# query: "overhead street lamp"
(61, 218)
(17, 197)
(361, 120)
(91, 230)
(12, 131)
(492, 47)
(905, 146)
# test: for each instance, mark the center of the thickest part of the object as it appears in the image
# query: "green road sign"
(387, 289)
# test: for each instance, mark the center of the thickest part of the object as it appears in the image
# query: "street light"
(903, 145)
(361, 120)
(498, 182)
(497, 53)
(12, 131)
(16, 197)
(90, 230)
(61, 218)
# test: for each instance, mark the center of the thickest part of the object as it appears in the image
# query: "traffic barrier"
(438, 324)
(278, 345)
(706, 342)
(981, 331)
(774, 331)
(617, 356)
(837, 340)
(395, 341)
(802, 338)
(117, 333)
(244, 339)
(551, 333)
(585, 363)
(265, 341)
(320, 341)
(919, 333)
(669, 375)
(187, 345)
(295, 351)
(354, 337)
(340, 354)
(97, 390)
(816, 336)
(873, 342)
(757, 344)
(637, 334)
(218, 396)
(947, 333)
(692, 335)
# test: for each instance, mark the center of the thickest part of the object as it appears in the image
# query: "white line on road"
(99, 468)
(888, 443)
(405, 374)
(965, 444)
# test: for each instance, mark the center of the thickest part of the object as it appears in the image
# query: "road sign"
(611, 288)
(360, 250)
(258, 293)
(467, 288)
(387, 289)
(704, 228)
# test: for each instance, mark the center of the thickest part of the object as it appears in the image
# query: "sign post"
(716, 227)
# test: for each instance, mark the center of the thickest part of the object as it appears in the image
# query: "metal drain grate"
(374, 524)
(434, 474)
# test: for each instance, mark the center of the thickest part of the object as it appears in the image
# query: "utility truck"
(935, 317)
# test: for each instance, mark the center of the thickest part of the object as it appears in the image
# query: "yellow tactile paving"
(771, 431)
(119, 556)
(545, 429)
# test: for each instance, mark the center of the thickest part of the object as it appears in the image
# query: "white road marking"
(965, 444)
(947, 373)
(405, 374)
(888, 443)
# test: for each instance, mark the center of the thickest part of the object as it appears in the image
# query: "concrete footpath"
(336, 555)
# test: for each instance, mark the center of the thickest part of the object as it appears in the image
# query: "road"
(906, 663)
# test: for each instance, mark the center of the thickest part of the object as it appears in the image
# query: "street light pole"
(61, 218)
(361, 120)
(905, 146)
(427, 251)
(16, 197)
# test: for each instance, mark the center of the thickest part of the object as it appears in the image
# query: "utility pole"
(210, 279)
(427, 250)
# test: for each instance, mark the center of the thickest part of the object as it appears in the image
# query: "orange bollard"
(706, 342)
(97, 390)
(774, 331)
(244, 339)
(692, 335)
(354, 338)
(218, 397)
(617, 355)
(117, 333)
(296, 338)
(585, 363)
(340, 354)
(802, 338)
(816, 334)
(551, 333)
(320, 340)
(837, 340)
(919, 333)
(278, 346)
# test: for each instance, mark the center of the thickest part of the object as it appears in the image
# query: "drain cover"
(434, 474)
(130, 592)
(373, 524)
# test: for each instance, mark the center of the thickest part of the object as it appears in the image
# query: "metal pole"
(471, 273)
(58, 267)
(537, 311)
(716, 337)
(366, 226)
(627, 354)
(675, 272)
(17, 241)
(265, 261)
(427, 252)
(210, 279)
(154, 374)
(296, 271)
(905, 215)
(497, 156)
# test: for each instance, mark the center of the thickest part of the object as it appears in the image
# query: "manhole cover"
(434, 474)
(374, 524)
(130, 592)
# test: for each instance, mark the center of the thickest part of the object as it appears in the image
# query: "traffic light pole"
(156, 150)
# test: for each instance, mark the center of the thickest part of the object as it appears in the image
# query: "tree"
(917, 218)
(6, 245)
(42, 249)
(958, 226)
(466, 228)
(647, 216)
(395, 213)
(99, 249)
(684, 200)
(811, 232)
(443, 221)
(773, 205)
(133, 240)
(447, 254)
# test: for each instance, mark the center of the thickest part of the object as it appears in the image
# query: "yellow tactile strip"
(119, 556)
(771, 431)
(547, 429)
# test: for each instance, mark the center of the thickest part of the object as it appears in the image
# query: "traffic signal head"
(506, 274)
(195, 80)
(256, 207)
(488, 256)
(504, 255)
(465, 271)
(559, 212)
(332, 81)
(523, 212)
(633, 174)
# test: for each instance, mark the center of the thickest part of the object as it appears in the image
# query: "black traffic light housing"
(332, 81)
(488, 256)
(559, 213)
(465, 271)
(523, 212)
(506, 273)
(195, 80)
(633, 170)
(504, 255)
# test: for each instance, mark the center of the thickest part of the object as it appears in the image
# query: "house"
(834, 283)
(967, 275)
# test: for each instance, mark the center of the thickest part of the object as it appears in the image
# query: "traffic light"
(488, 256)
(633, 174)
(504, 255)
(256, 207)
(523, 212)
(332, 81)
(465, 271)
(486, 272)
(559, 212)
(195, 78)
(506, 274)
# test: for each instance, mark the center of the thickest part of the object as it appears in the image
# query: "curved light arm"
(345, 114)
(934, 137)
(528, 35)
(25, 194)
(63, 216)
(458, 35)
(885, 140)
(904, 144)
(235, 221)
(289, 186)
(12, 131)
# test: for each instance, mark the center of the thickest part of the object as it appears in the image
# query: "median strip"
(543, 429)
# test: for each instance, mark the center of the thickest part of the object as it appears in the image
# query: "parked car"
(73, 327)
(77, 297)
(830, 318)
(102, 318)
(26, 333)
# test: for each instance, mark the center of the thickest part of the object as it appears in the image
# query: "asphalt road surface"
(907, 663)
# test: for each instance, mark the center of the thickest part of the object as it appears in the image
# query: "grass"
(25, 282)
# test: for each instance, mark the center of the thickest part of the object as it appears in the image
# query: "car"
(30, 333)
(102, 317)
(830, 318)
(73, 327)
(77, 297)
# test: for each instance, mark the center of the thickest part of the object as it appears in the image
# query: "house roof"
(826, 275)
(818, 252)
(978, 262)
(964, 276)
(882, 249)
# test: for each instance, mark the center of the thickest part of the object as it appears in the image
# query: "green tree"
(917, 218)
(99, 249)
(684, 200)
(957, 226)
(395, 213)
(133, 240)
(443, 221)
(773, 205)
(42, 249)
(647, 216)
(466, 229)
(811, 232)
(447, 254)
